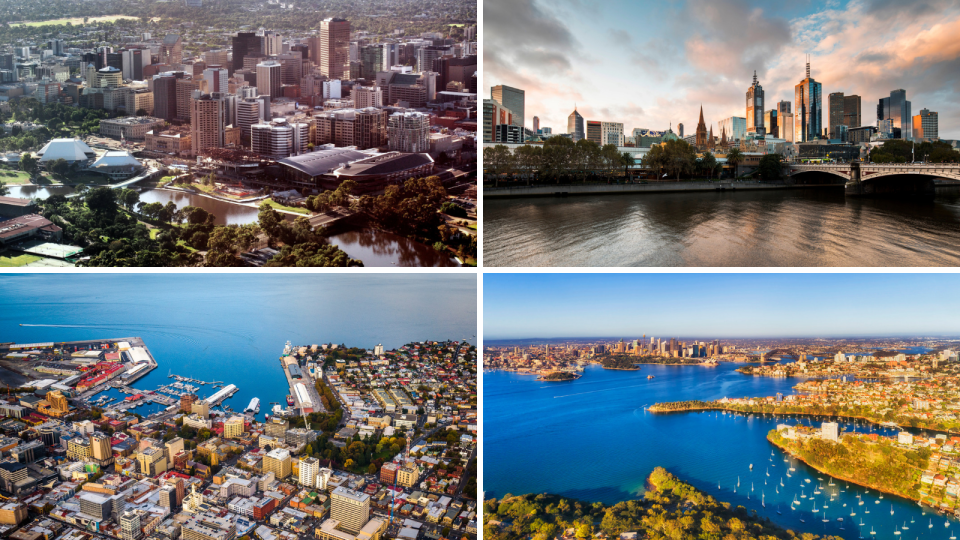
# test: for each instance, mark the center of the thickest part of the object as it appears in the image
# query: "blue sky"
(652, 63)
(721, 305)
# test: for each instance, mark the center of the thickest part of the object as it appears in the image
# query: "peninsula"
(670, 508)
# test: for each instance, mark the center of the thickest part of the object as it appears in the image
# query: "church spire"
(701, 113)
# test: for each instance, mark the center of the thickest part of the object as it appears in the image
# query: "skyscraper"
(755, 109)
(680, 128)
(334, 48)
(206, 122)
(216, 77)
(536, 124)
(511, 98)
(771, 123)
(896, 108)
(269, 77)
(835, 103)
(809, 113)
(575, 126)
(785, 121)
(171, 50)
(350, 508)
(926, 126)
(595, 132)
(165, 94)
(243, 44)
(851, 111)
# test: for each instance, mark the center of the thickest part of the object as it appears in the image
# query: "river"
(374, 248)
(804, 227)
(232, 327)
(591, 439)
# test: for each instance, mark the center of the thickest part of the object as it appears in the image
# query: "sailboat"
(781, 481)
(931, 524)
(872, 531)
(891, 509)
(738, 481)
(905, 526)
(763, 500)
(768, 472)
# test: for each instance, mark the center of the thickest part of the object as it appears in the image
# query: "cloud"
(731, 36)
(518, 34)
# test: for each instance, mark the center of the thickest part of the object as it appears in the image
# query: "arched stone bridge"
(877, 178)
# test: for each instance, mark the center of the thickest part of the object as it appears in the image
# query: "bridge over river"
(877, 178)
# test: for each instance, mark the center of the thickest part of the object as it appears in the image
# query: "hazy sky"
(649, 63)
(721, 305)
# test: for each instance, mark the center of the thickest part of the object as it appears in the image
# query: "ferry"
(254, 406)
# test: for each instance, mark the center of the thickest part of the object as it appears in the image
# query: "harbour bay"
(232, 328)
(591, 439)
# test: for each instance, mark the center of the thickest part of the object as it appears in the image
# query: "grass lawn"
(154, 233)
(12, 261)
(14, 177)
(279, 206)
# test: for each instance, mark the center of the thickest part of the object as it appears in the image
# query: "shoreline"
(564, 190)
(839, 477)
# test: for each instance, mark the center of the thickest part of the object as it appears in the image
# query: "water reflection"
(380, 248)
(374, 248)
(816, 227)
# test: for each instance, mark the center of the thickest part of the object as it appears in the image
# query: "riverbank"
(785, 445)
(655, 187)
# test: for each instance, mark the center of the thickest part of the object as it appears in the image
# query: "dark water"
(374, 248)
(232, 327)
(380, 248)
(591, 439)
(814, 227)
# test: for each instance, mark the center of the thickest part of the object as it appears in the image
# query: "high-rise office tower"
(130, 525)
(216, 78)
(536, 124)
(771, 123)
(896, 108)
(680, 129)
(133, 62)
(206, 122)
(511, 98)
(371, 60)
(808, 117)
(57, 46)
(755, 109)
(271, 44)
(309, 466)
(171, 50)
(100, 448)
(185, 88)
(250, 111)
(851, 111)
(279, 139)
(244, 43)
(334, 58)
(350, 508)
(409, 132)
(926, 126)
(835, 115)
(785, 121)
(165, 94)
(269, 78)
(575, 126)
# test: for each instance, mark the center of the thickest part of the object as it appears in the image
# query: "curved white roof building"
(70, 150)
(117, 165)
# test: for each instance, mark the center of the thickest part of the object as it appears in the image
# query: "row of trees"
(559, 160)
(902, 151)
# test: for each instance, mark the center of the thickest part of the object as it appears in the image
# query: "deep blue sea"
(591, 439)
(233, 327)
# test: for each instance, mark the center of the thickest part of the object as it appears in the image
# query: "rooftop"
(16, 201)
(323, 161)
(133, 120)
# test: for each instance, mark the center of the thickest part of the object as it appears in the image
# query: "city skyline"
(557, 306)
(619, 64)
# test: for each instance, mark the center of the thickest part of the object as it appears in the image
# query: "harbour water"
(592, 440)
(812, 227)
(374, 248)
(232, 327)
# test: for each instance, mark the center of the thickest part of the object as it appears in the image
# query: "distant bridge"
(877, 178)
